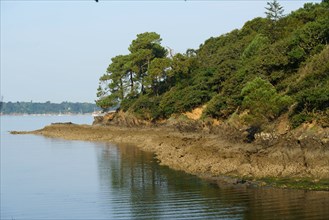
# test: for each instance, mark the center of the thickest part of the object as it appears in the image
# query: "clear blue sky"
(57, 50)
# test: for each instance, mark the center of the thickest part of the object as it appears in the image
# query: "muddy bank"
(210, 154)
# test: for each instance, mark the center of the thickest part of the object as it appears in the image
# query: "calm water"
(43, 178)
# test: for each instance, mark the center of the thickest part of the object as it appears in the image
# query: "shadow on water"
(135, 186)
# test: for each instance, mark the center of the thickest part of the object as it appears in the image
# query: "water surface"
(44, 178)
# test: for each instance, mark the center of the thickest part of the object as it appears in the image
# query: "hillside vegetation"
(271, 66)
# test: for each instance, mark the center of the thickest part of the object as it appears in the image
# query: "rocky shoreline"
(219, 155)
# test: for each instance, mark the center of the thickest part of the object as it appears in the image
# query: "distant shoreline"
(47, 108)
(46, 114)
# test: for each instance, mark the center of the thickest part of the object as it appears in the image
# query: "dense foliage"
(46, 108)
(268, 67)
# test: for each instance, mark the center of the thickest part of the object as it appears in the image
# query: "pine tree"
(274, 11)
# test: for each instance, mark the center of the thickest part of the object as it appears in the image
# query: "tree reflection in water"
(134, 185)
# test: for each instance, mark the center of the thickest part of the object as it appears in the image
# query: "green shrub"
(262, 100)
(146, 107)
(220, 107)
(259, 42)
(311, 89)
(179, 100)
(298, 119)
(127, 102)
(296, 54)
(314, 98)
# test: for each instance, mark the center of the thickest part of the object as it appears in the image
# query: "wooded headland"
(272, 66)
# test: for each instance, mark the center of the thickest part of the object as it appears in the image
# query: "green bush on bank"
(262, 100)
(220, 107)
(311, 90)
(179, 100)
(146, 107)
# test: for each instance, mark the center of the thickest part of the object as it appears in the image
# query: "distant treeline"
(46, 108)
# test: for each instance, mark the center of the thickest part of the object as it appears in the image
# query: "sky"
(56, 50)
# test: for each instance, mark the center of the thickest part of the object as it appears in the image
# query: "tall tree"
(180, 68)
(143, 50)
(274, 10)
(113, 85)
(157, 74)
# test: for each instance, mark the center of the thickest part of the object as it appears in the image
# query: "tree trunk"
(131, 82)
(121, 89)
